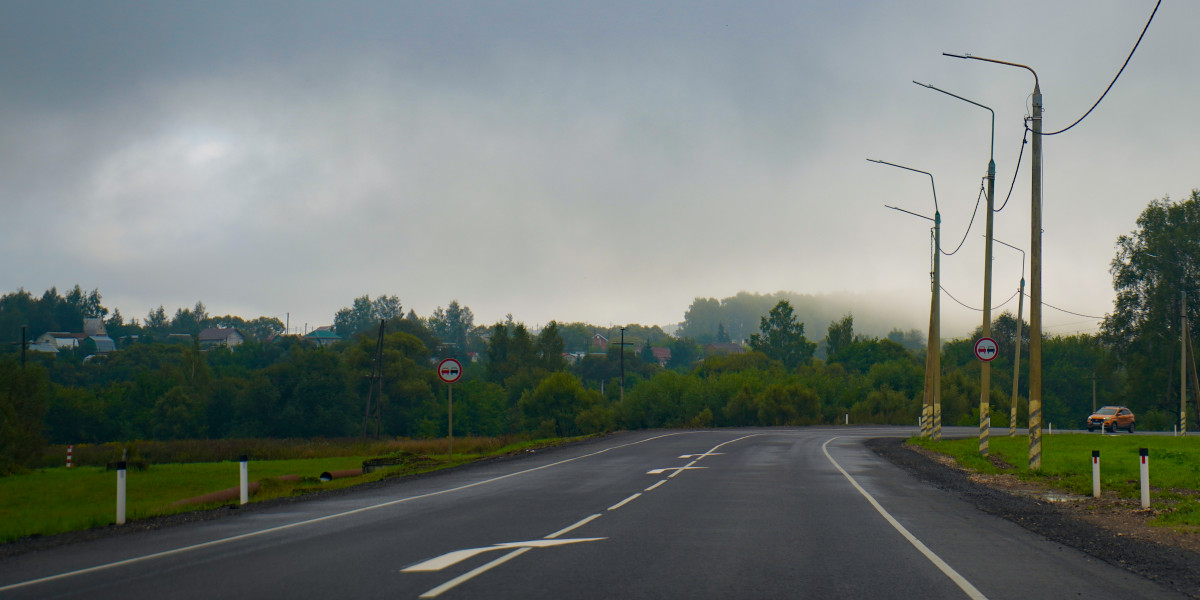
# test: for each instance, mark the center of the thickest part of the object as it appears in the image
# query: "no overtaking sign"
(449, 370)
(985, 349)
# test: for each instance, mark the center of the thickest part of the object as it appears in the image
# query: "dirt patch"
(1111, 529)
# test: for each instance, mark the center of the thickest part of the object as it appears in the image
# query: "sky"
(605, 162)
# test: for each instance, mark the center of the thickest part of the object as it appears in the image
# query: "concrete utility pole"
(933, 354)
(1012, 418)
(985, 370)
(1035, 289)
(1183, 327)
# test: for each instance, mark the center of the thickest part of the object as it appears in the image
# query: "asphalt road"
(753, 513)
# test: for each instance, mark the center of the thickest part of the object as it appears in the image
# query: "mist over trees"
(568, 378)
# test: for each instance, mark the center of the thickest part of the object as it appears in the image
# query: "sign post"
(450, 371)
(985, 349)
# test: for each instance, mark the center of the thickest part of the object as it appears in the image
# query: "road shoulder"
(1173, 566)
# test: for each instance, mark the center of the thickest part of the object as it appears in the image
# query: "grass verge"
(57, 500)
(1174, 465)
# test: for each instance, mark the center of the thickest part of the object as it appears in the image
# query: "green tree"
(1154, 265)
(781, 337)
(23, 398)
(365, 314)
(553, 406)
(839, 336)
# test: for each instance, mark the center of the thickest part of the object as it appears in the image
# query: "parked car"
(1111, 418)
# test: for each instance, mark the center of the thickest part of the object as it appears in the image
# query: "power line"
(1063, 310)
(1024, 140)
(998, 306)
(969, 225)
(1114, 81)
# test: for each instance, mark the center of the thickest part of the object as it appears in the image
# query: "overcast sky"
(604, 162)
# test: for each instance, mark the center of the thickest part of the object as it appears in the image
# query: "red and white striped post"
(1095, 473)
(1143, 454)
(70, 450)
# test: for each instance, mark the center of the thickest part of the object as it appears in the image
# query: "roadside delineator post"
(245, 478)
(1143, 454)
(121, 493)
(70, 450)
(1095, 473)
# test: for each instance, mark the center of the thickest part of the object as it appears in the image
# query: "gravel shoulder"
(1113, 530)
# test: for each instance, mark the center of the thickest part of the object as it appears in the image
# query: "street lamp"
(1035, 289)
(1012, 419)
(931, 409)
(985, 370)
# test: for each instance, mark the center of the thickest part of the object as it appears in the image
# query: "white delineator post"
(121, 493)
(1143, 455)
(70, 451)
(1095, 473)
(245, 478)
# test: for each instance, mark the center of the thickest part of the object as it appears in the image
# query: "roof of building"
(324, 333)
(218, 334)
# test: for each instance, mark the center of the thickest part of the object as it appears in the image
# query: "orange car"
(1111, 418)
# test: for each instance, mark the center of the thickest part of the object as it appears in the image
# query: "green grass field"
(57, 500)
(1067, 466)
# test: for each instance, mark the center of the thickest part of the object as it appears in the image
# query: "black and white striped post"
(244, 479)
(1143, 454)
(121, 493)
(1095, 473)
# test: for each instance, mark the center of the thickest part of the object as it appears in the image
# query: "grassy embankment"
(1174, 465)
(56, 499)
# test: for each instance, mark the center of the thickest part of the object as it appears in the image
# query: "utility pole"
(1012, 419)
(622, 345)
(375, 382)
(1093, 392)
(933, 355)
(1183, 327)
(935, 342)
(1035, 289)
(985, 371)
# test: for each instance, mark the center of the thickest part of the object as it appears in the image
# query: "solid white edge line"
(625, 501)
(651, 488)
(137, 559)
(949, 571)
(439, 590)
(573, 527)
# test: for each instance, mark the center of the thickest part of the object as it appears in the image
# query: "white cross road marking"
(661, 471)
(450, 559)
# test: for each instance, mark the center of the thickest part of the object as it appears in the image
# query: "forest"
(563, 380)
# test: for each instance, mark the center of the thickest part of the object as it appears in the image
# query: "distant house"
(228, 337)
(53, 341)
(600, 342)
(59, 340)
(662, 355)
(323, 336)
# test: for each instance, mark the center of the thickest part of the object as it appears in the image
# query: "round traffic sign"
(985, 349)
(449, 370)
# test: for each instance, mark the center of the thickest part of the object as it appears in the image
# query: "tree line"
(558, 381)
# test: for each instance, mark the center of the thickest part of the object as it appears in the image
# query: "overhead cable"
(969, 225)
(1118, 75)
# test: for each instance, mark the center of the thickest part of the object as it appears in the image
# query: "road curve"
(728, 513)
